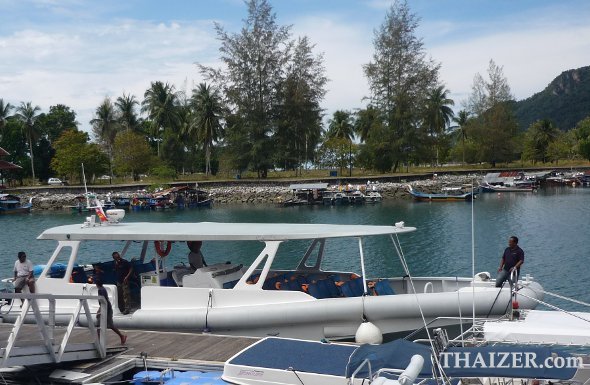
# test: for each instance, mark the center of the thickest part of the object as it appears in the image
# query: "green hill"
(565, 101)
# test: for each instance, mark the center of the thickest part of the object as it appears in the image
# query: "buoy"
(368, 333)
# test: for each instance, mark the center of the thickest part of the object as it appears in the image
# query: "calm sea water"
(552, 226)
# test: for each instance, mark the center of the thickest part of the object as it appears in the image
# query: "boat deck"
(188, 351)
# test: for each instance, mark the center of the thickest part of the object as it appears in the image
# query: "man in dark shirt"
(512, 259)
(123, 271)
(110, 324)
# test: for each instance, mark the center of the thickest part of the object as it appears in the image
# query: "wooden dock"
(157, 350)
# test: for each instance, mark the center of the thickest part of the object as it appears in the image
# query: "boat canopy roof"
(308, 186)
(215, 231)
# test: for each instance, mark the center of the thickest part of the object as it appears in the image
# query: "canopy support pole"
(365, 291)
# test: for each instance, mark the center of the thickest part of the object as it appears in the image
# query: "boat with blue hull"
(11, 204)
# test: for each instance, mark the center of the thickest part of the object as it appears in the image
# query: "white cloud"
(80, 65)
(346, 47)
(531, 57)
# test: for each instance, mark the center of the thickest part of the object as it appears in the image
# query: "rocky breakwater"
(50, 201)
(266, 193)
(259, 193)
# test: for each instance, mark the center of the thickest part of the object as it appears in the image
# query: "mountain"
(565, 101)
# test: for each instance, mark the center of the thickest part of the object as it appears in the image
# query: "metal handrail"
(439, 319)
(365, 362)
(30, 302)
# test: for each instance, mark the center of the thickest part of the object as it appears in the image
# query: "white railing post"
(51, 319)
(46, 323)
(43, 329)
(98, 339)
(70, 328)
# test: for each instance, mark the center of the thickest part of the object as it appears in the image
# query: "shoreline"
(261, 192)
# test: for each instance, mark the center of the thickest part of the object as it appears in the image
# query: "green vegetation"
(260, 116)
(565, 101)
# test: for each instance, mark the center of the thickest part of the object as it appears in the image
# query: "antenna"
(85, 187)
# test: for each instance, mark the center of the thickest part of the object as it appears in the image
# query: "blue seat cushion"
(383, 288)
(352, 288)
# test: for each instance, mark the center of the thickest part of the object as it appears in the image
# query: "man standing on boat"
(512, 259)
(23, 274)
(123, 270)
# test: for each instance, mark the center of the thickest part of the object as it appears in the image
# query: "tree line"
(262, 111)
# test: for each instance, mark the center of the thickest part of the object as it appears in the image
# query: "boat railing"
(365, 362)
(462, 320)
(52, 350)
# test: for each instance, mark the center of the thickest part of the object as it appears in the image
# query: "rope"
(497, 295)
(398, 249)
(565, 298)
(297, 375)
(555, 307)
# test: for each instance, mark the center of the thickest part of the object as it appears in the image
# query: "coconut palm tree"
(461, 128)
(125, 106)
(28, 114)
(207, 110)
(160, 103)
(4, 113)
(365, 121)
(106, 126)
(438, 113)
(341, 127)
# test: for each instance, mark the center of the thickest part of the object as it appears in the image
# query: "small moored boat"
(11, 204)
(449, 195)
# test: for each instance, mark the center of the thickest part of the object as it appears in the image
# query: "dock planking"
(156, 344)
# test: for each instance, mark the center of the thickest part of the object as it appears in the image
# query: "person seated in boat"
(512, 260)
(23, 273)
(123, 271)
(110, 323)
(195, 257)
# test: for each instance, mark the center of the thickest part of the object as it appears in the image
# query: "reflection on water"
(552, 226)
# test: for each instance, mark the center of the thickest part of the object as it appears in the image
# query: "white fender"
(409, 375)
(368, 333)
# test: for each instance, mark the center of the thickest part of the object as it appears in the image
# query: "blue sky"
(78, 52)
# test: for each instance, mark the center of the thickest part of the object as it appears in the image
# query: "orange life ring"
(158, 245)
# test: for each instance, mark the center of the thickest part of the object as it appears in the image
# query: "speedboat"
(262, 297)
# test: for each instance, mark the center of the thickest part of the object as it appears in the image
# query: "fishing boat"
(516, 187)
(186, 197)
(448, 195)
(11, 204)
(261, 297)
(306, 194)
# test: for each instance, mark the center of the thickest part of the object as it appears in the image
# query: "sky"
(77, 52)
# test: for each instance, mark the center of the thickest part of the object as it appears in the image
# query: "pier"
(42, 351)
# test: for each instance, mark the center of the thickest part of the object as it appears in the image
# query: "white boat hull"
(296, 314)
